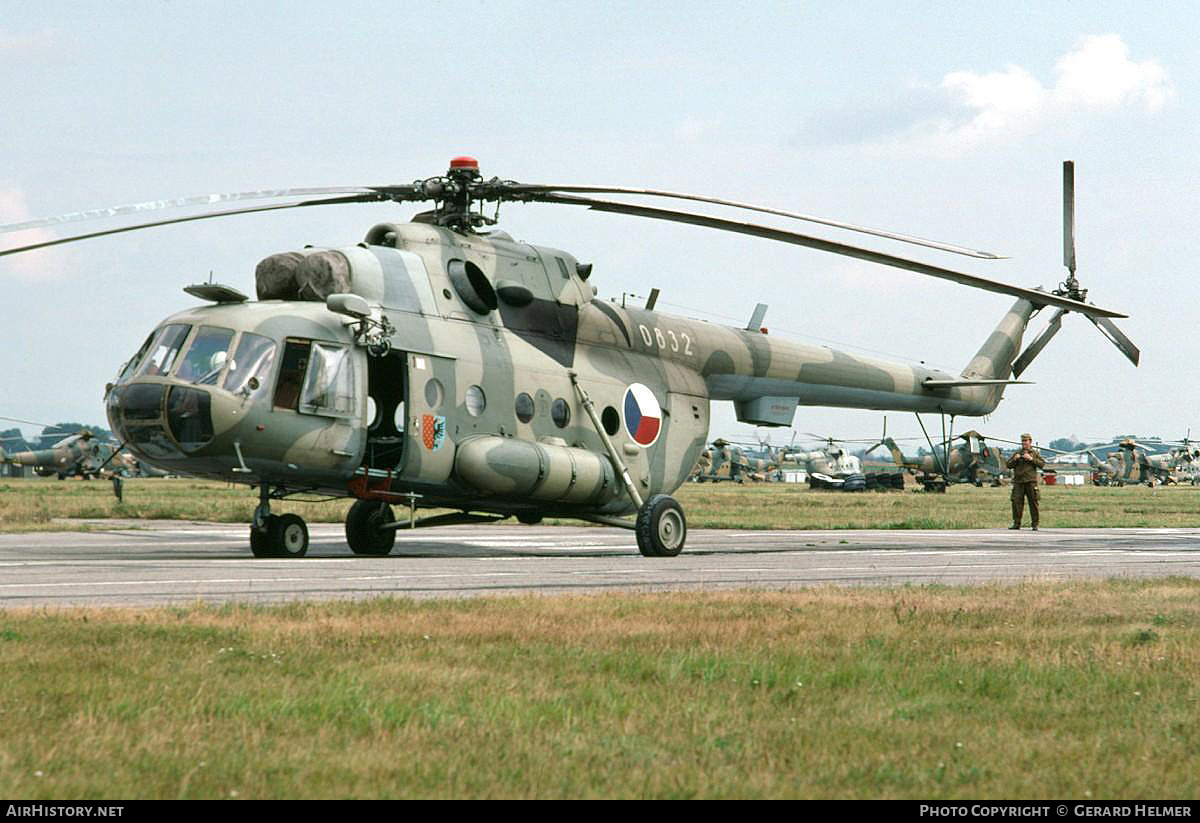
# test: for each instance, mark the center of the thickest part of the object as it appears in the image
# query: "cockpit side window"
(329, 385)
(137, 358)
(164, 350)
(253, 359)
(291, 373)
(206, 356)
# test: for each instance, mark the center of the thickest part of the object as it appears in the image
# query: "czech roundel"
(643, 415)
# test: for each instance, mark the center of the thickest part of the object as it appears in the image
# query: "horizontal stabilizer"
(930, 383)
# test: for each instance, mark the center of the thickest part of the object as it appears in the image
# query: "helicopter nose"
(161, 421)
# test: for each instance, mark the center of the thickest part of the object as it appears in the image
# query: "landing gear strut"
(274, 535)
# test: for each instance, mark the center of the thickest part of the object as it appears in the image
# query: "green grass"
(1016, 691)
(41, 503)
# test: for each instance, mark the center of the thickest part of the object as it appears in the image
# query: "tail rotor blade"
(1035, 348)
(1109, 329)
(1069, 215)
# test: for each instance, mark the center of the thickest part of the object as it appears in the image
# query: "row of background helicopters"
(442, 364)
(969, 459)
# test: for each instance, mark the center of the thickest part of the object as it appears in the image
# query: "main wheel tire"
(661, 527)
(261, 544)
(529, 518)
(363, 532)
(289, 536)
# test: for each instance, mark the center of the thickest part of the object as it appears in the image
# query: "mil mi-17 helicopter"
(436, 364)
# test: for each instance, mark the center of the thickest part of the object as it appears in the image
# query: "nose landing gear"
(272, 535)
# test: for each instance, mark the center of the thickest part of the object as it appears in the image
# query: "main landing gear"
(276, 535)
(365, 530)
(661, 527)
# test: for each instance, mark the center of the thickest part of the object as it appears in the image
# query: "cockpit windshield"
(206, 356)
(164, 350)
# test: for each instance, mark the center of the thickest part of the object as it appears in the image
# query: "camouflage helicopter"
(723, 460)
(1130, 464)
(971, 461)
(1181, 464)
(442, 364)
(77, 455)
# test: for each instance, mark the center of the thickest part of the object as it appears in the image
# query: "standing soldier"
(1025, 464)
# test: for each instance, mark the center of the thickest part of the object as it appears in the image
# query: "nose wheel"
(286, 535)
(276, 535)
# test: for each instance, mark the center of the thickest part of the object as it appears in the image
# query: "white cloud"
(1098, 75)
(35, 265)
(1002, 101)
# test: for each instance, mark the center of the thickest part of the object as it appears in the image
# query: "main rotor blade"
(29, 422)
(180, 202)
(537, 189)
(357, 198)
(1109, 329)
(1069, 215)
(1035, 296)
(1035, 348)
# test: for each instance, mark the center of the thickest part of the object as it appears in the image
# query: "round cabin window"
(399, 418)
(372, 413)
(524, 407)
(560, 413)
(610, 420)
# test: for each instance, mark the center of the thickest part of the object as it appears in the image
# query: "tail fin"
(994, 360)
(897, 455)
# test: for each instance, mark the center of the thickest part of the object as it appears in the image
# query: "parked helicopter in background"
(437, 364)
(723, 460)
(1181, 463)
(970, 461)
(831, 467)
(1131, 463)
(77, 455)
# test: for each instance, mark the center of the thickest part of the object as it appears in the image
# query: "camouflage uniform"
(1025, 485)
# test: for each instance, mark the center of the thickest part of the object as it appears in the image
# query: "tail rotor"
(1069, 288)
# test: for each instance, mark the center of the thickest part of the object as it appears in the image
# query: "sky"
(947, 120)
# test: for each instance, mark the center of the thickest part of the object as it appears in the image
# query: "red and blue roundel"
(643, 415)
